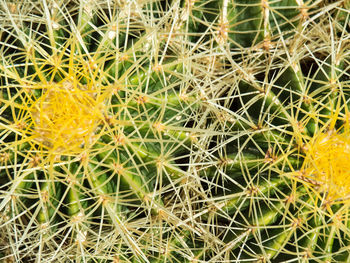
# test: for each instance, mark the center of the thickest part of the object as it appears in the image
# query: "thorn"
(269, 158)
(119, 139)
(252, 190)
(159, 127)
(35, 161)
(141, 100)
(4, 157)
(12, 8)
(157, 67)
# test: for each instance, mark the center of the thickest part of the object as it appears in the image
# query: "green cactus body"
(96, 118)
(293, 118)
(173, 131)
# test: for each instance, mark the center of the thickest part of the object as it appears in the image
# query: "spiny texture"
(99, 114)
(327, 160)
(169, 131)
(287, 154)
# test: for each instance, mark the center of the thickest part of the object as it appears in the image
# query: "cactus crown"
(65, 117)
(327, 161)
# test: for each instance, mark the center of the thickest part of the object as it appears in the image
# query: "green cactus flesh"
(97, 120)
(289, 133)
(174, 131)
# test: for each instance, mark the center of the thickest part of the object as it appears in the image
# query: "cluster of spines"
(298, 94)
(228, 176)
(71, 200)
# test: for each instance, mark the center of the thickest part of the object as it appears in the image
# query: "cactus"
(98, 119)
(171, 131)
(287, 152)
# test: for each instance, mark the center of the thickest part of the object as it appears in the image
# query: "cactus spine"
(174, 131)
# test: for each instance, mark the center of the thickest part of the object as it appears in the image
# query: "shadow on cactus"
(98, 119)
(286, 162)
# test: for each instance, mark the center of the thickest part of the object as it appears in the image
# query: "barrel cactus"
(98, 119)
(287, 154)
(172, 131)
